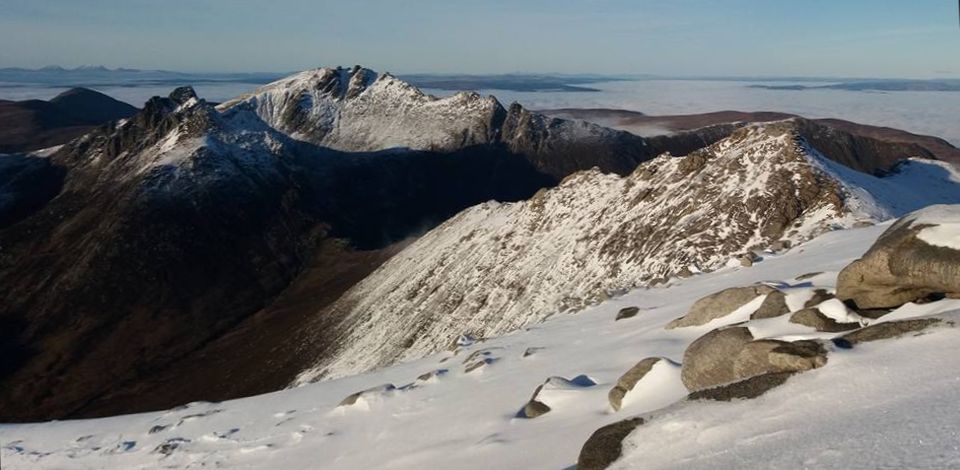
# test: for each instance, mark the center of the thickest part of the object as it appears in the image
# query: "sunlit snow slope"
(467, 420)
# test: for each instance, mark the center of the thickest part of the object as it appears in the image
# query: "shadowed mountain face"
(36, 124)
(179, 255)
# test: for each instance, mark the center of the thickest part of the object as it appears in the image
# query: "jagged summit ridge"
(498, 267)
(360, 110)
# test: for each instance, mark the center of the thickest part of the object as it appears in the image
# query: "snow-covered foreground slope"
(497, 267)
(888, 405)
(868, 407)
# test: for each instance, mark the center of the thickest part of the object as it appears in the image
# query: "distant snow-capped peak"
(360, 110)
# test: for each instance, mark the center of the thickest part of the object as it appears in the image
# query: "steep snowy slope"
(869, 407)
(498, 267)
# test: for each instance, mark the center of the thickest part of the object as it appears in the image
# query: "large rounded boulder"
(916, 258)
(728, 355)
(709, 360)
(719, 304)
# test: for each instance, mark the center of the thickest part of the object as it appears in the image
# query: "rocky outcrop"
(916, 258)
(720, 304)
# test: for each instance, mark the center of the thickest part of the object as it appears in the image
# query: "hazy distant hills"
(103, 76)
(875, 85)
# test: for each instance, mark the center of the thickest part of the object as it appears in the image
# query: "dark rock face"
(35, 124)
(899, 268)
(604, 445)
(27, 183)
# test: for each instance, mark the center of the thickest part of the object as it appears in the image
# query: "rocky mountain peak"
(182, 95)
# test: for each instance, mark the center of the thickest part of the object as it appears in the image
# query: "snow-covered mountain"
(220, 236)
(212, 233)
(359, 110)
(498, 267)
(842, 415)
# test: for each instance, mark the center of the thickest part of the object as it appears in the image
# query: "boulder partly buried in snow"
(629, 379)
(731, 354)
(627, 312)
(552, 393)
(768, 356)
(708, 361)
(655, 381)
(719, 304)
(604, 445)
(917, 257)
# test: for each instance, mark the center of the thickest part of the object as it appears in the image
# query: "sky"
(824, 38)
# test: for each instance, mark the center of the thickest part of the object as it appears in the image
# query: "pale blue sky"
(862, 38)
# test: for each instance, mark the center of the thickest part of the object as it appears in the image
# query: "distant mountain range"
(103, 76)
(875, 85)
(88, 76)
(98, 75)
